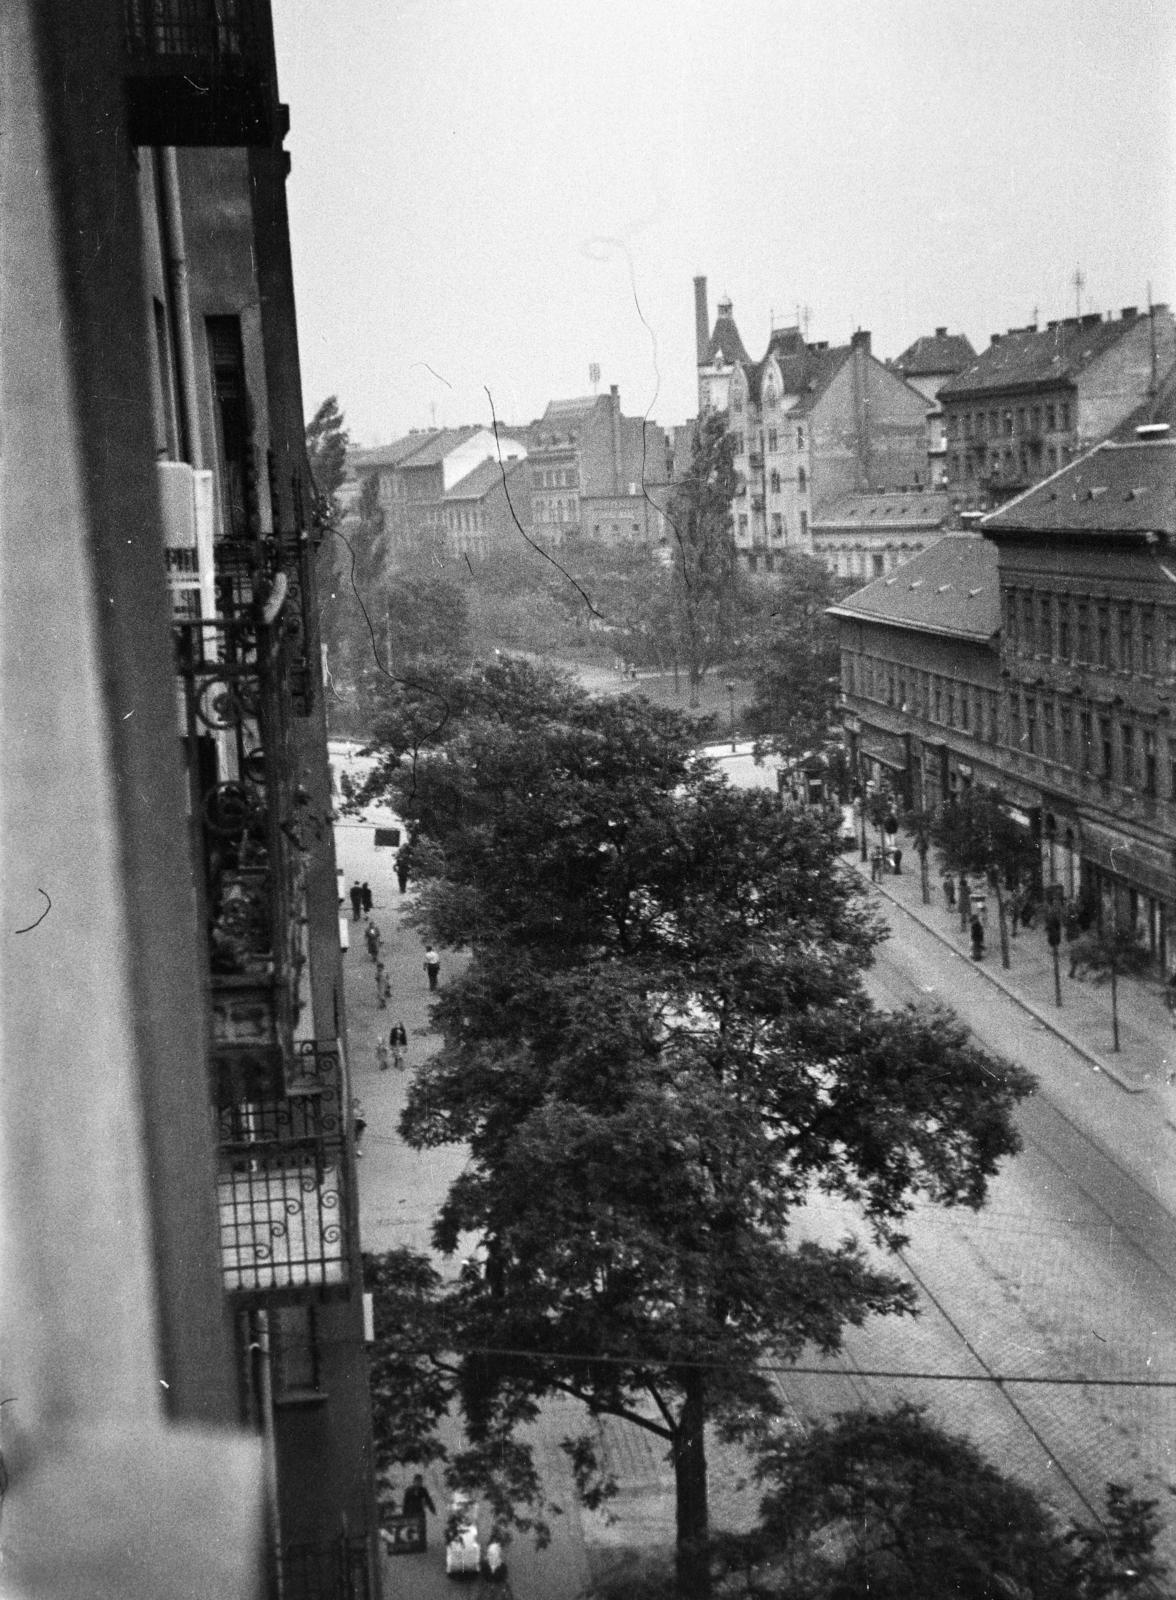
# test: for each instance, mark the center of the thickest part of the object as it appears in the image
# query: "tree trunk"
(1004, 925)
(691, 1558)
(1114, 1009)
(924, 876)
(695, 686)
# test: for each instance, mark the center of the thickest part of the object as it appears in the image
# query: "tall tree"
(795, 659)
(326, 445)
(977, 834)
(660, 1047)
(707, 600)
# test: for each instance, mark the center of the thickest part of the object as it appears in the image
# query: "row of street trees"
(660, 1050)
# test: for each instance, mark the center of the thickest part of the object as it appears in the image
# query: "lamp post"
(731, 704)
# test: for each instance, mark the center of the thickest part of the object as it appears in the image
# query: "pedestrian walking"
(897, 859)
(876, 865)
(358, 1122)
(949, 890)
(418, 1500)
(383, 987)
(365, 897)
(977, 931)
(398, 1039)
(382, 1055)
(356, 901)
(402, 867)
(432, 966)
(372, 936)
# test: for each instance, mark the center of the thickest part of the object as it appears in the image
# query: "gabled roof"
(903, 508)
(951, 588)
(1160, 408)
(565, 409)
(725, 339)
(1025, 358)
(487, 475)
(1116, 488)
(389, 455)
(806, 370)
(936, 352)
(440, 444)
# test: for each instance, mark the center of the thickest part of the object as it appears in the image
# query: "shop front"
(1133, 882)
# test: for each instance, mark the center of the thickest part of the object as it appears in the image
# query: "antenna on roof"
(1079, 282)
(594, 375)
(803, 319)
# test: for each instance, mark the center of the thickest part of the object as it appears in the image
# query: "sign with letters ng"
(403, 1536)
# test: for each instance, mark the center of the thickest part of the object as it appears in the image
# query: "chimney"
(994, 338)
(1129, 313)
(860, 352)
(701, 320)
(1160, 309)
(614, 414)
(941, 333)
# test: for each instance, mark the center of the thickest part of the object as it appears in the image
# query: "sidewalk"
(400, 1193)
(1146, 1060)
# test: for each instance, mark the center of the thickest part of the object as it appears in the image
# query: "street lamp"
(731, 703)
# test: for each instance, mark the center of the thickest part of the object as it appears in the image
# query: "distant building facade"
(1036, 399)
(927, 365)
(811, 424)
(595, 473)
(417, 478)
(868, 535)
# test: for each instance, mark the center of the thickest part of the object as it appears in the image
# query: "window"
(804, 524)
(775, 482)
(1035, 419)
(1127, 749)
(993, 424)
(1147, 641)
(1082, 629)
(777, 525)
(1104, 636)
(1048, 731)
(1065, 422)
(877, 561)
(1066, 726)
(743, 527)
(1015, 720)
(1008, 424)
(1031, 724)
(993, 716)
(938, 699)
(951, 708)
(801, 479)
(967, 424)
(1085, 739)
(1107, 768)
(1064, 627)
(1027, 620)
(1051, 420)
(800, 438)
(965, 708)
(738, 443)
(231, 415)
(1011, 616)
(1126, 640)
(737, 402)
(1149, 763)
(1044, 625)
(773, 439)
(953, 425)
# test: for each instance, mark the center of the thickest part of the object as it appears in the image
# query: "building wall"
(1114, 385)
(869, 431)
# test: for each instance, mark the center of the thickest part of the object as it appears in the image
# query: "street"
(1066, 1274)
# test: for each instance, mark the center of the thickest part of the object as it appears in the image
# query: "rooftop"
(1125, 488)
(486, 475)
(934, 353)
(905, 508)
(951, 588)
(1028, 358)
(725, 340)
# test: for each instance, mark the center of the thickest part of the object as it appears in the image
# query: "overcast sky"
(491, 195)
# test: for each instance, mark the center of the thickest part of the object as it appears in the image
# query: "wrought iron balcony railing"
(282, 1175)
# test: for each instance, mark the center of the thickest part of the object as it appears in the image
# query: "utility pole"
(1079, 282)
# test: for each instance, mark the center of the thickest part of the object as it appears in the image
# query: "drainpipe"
(263, 1369)
(168, 170)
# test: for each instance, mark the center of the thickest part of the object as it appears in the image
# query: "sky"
(487, 197)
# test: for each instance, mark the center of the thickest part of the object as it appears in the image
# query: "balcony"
(200, 72)
(281, 1180)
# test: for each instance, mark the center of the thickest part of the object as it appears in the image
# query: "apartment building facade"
(183, 1318)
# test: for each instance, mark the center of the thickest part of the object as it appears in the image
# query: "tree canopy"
(660, 1049)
